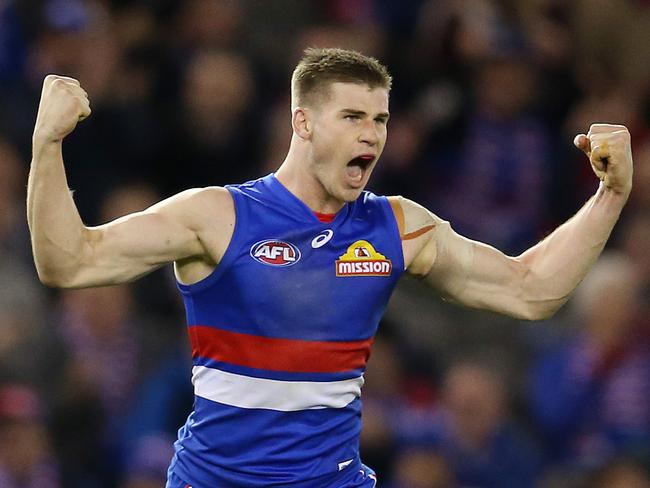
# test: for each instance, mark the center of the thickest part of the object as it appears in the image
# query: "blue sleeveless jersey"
(281, 333)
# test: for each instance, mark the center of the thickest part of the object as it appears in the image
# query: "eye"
(351, 117)
(381, 120)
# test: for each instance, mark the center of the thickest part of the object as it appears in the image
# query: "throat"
(309, 189)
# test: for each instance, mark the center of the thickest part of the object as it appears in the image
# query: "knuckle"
(64, 83)
(619, 138)
(623, 134)
(596, 139)
(69, 79)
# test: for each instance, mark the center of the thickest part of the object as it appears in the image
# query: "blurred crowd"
(487, 97)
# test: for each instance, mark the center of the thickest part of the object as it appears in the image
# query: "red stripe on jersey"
(326, 218)
(290, 355)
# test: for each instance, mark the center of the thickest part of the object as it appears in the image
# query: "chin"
(351, 195)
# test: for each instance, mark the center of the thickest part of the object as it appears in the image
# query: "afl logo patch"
(275, 253)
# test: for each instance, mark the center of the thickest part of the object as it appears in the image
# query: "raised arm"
(70, 255)
(537, 283)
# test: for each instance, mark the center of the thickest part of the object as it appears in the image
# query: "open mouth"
(357, 167)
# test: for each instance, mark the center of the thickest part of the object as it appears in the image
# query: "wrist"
(620, 194)
(45, 147)
(42, 139)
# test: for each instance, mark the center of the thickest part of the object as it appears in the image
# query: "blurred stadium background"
(487, 97)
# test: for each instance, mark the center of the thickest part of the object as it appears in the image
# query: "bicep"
(144, 240)
(462, 270)
(136, 244)
(475, 274)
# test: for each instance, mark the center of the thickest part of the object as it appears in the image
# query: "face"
(347, 137)
(475, 400)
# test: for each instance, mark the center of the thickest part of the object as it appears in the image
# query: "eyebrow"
(361, 113)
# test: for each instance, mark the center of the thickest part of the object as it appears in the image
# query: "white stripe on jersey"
(286, 396)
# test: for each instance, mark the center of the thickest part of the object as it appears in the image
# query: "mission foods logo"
(275, 253)
(361, 259)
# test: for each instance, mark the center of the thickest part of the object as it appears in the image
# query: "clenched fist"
(63, 104)
(609, 150)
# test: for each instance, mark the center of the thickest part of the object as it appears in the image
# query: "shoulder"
(216, 196)
(198, 207)
(420, 230)
(210, 213)
(209, 194)
(412, 218)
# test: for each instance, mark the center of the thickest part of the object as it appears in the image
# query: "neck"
(296, 175)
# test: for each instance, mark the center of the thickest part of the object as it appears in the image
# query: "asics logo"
(321, 239)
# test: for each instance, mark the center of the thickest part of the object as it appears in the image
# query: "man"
(285, 278)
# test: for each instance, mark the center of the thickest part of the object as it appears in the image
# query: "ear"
(301, 122)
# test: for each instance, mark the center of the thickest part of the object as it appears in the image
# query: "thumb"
(85, 111)
(581, 141)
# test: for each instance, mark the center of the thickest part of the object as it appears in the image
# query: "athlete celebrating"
(285, 278)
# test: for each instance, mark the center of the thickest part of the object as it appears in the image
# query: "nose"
(368, 134)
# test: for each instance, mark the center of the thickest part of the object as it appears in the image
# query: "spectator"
(620, 473)
(26, 456)
(501, 164)
(108, 348)
(23, 330)
(210, 139)
(475, 433)
(383, 403)
(635, 235)
(422, 468)
(148, 463)
(590, 393)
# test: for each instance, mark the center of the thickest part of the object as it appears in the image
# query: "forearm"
(556, 265)
(57, 232)
(537, 283)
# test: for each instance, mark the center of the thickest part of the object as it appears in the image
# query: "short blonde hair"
(318, 68)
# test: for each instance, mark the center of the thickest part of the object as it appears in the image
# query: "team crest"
(361, 259)
(275, 253)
